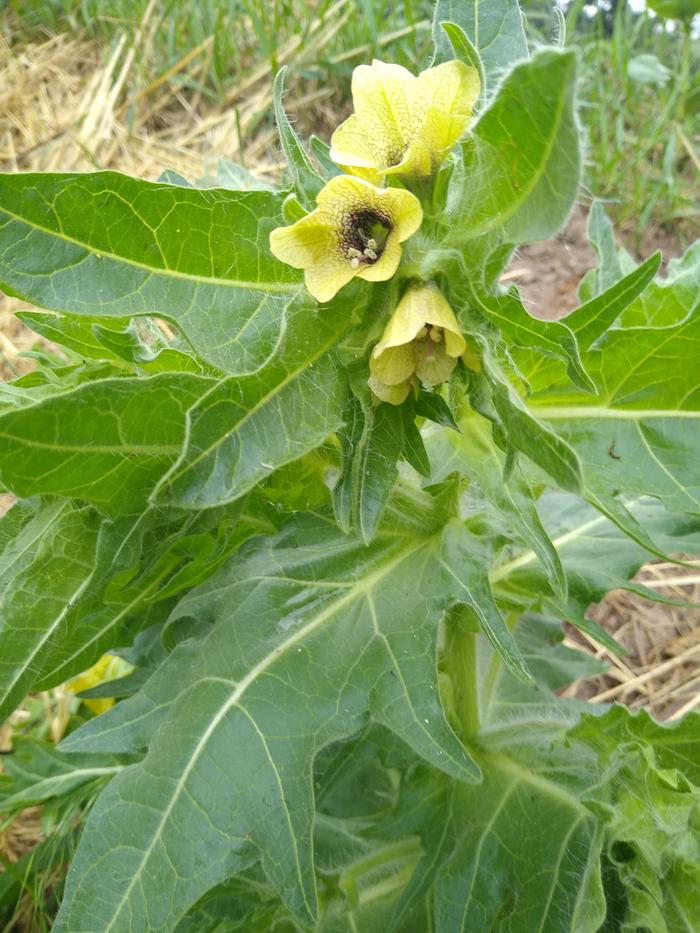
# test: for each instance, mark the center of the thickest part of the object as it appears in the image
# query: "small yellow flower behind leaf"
(403, 124)
(394, 395)
(423, 339)
(356, 230)
(109, 667)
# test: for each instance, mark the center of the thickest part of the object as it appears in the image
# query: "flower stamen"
(365, 237)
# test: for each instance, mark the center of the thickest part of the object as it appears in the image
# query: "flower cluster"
(402, 128)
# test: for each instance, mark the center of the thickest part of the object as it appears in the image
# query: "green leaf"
(108, 441)
(322, 151)
(307, 181)
(566, 817)
(647, 69)
(597, 556)
(465, 51)
(668, 299)
(638, 433)
(508, 313)
(466, 563)
(676, 9)
(601, 235)
(522, 160)
(652, 811)
(593, 318)
(73, 332)
(371, 443)
(104, 244)
(431, 405)
(47, 567)
(676, 745)
(120, 580)
(527, 856)
(472, 453)
(414, 448)
(493, 27)
(243, 428)
(36, 772)
(270, 679)
(142, 563)
(235, 177)
(528, 435)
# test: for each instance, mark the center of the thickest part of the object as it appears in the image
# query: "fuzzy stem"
(462, 668)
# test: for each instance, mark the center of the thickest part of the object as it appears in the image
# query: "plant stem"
(462, 667)
(495, 666)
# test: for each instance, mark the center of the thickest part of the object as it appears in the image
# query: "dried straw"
(661, 670)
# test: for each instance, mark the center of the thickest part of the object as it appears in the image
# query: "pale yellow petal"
(382, 96)
(325, 243)
(450, 91)
(355, 150)
(394, 395)
(455, 344)
(109, 667)
(311, 244)
(394, 364)
(405, 211)
(403, 124)
(340, 191)
(471, 360)
(439, 313)
(406, 322)
(433, 364)
(325, 278)
(422, 304)
(302, 243)
(417, 161)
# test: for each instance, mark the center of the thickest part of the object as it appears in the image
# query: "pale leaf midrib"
(581, 412)
(261, 286)
(363, 587)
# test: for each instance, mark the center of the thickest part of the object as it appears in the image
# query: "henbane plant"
(334, 526)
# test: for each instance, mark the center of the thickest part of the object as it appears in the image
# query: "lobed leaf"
(104, 244)
(522, 159)
(107, 441)
(242, 428)
(336, 630)
(48, 566)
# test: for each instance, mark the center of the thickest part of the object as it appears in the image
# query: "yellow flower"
(403, 124)
(109, 667)
(356, 230)
(421, 340)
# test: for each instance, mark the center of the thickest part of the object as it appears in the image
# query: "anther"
(370, 254)
(422, 333)
(436, 334)
(354, 253)
(371, 244)
(354, 263)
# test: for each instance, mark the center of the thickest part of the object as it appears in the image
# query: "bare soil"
(548, 273)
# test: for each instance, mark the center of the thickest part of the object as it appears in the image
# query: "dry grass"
(22, 835)
(661, 670)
